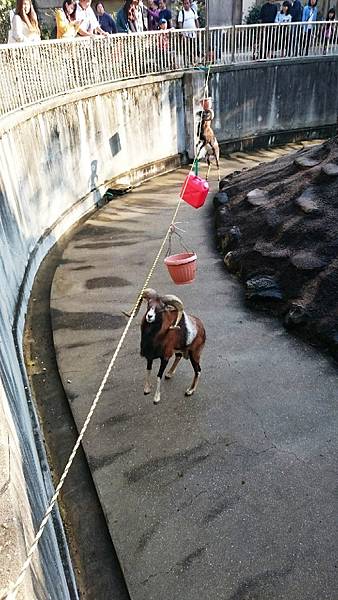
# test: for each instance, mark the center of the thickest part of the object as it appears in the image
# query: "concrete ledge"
(277, 138)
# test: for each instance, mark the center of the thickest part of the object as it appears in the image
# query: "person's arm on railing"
(65, 28)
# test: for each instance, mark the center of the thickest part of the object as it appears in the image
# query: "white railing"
(33, 73)
(284, 40)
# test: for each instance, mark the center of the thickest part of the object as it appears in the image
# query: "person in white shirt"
(140, 11)
(24, 25)
(187, 18)
(89, 22)
(284, 15)
(284, 39)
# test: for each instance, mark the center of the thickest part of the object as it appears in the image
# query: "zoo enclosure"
(34, 73)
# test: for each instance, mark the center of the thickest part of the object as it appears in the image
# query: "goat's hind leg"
(173, 367)
(147, 383)
(209, 167)
(157, 397)
(216, 155)
(197, 371)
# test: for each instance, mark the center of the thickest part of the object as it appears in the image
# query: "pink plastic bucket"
(182, 267)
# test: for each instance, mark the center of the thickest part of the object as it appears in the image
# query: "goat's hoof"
(189, 392)
(168, 375)
(146, 392)
(156, 400)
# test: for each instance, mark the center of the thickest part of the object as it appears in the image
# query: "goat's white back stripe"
(191, 329)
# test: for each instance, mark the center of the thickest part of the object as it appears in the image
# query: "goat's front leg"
(147, 384)
(173, 367)
(197, 370)
(157, 397)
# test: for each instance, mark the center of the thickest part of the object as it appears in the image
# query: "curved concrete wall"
(55, 162)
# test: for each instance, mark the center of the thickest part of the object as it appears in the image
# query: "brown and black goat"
(207, 140)
(166, 329)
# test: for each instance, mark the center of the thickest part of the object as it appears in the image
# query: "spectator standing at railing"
(126, 18)
(122, 17)
(153, 17)
(310, 14)
(24, 26)
(89, 23)
(284, 39)
(66, 24)
(268, 12)
(331, 16)
(284, 15)
(187, 19)
(105, 20)
(165, 13)
(296, 11)
(140, 12)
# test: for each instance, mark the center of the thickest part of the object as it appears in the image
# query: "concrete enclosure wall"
(273, 100)
(56, 160)
(54, 167)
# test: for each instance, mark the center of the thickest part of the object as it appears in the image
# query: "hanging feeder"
(182, 266)
(194, 190)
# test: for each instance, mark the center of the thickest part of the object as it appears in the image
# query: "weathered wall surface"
(267, 100)
(275, 98)
(223, 12)
(55, 162)
(54, 166)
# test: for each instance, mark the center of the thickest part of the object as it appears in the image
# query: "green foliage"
(253, 15)
(5, 7)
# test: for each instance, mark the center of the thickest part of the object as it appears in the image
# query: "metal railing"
(31, 73)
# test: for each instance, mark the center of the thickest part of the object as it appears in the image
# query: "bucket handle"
(174, 230)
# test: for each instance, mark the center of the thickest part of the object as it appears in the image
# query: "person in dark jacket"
(125, 18)
(296, 11)
(268, 12)
(106, 22)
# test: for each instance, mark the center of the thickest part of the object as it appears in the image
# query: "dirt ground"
(277, 226)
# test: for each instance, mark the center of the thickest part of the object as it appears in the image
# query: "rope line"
(10, 593)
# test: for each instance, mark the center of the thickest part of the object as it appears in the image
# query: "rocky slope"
(277, 226)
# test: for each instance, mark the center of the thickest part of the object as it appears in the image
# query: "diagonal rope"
(10, 593)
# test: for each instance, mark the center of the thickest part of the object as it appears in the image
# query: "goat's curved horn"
(147, 293)
(171, 300)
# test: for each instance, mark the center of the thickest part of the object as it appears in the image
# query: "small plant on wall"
(253, 15)
(5, 7)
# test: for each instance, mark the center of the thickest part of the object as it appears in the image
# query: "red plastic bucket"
(182, 267)
(194, 190)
